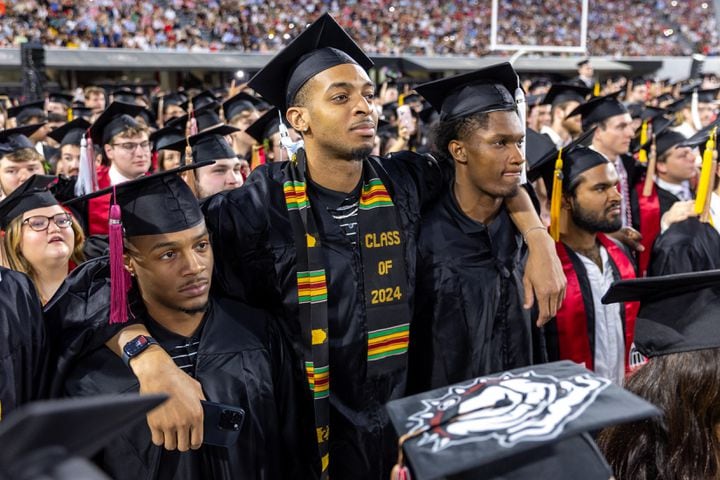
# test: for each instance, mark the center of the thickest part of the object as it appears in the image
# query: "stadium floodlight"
(240, 74)
(582, 48)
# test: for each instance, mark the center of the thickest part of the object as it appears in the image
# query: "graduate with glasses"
(40, 238)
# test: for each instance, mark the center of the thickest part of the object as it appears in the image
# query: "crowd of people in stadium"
(479, 276)
(649, 27)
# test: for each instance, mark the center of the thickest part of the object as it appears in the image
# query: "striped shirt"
(183, 350)
(342, 207)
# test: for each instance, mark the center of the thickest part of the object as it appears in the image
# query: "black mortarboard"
(174, 99)
(565, 92)
(582, 62)
(702, 136)
(115, 119)
(32, 194)
(265, 126)
(64, 98)
(598, 109)
(82, 112)
(677, 105)
(178, 122)
(201, 100)
(704, 96)
(324, 44)
(534, 100)
(207, 116)
(14, 139)
(486, 90)
(541, 154)
(71, 133)
(26, 111)
(154, 204)
(634, 109)
(537, 147)
(238, 104)
(650, 113)
(164, 137)
(500, 420)
(40, 439)
(208, 145)
(125, 95)
(678, 313)
(667, 139)
(148, 117)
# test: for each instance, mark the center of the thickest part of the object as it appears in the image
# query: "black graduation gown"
(665, 199)
(241, 361)
(468, 319)
(23, 353)
(253, 241)
(687, 246)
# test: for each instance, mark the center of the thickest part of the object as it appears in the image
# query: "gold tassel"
(650, 174)
(706, 174)
(69, 114)
(596, 89)
(556, 197)
(401, 100)
(643, 156)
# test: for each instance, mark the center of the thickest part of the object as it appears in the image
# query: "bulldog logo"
(510, 409)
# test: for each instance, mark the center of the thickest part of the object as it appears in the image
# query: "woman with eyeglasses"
(39, 238)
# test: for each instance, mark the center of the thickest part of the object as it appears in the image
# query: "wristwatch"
(136, 346)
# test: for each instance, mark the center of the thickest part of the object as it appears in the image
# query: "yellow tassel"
(69, 114)
(401, 100)
(650, 173)
(706, 173)
(596, 90)
(643, 156)
(556, 197)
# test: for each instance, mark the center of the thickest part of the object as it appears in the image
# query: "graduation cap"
(174, 99)
(148, 117)
(179, 123)
(23, 112)
(208, 145)
(665, 139)
(238, 104)
(559, 168)
(703, 96)
(126, 95)
(200, 100)
(566, 92)
(500, 421)
(64, 98)
(165, 137)
(265, 126)
(598, 109)
(207, 116)
(43, 439)
(14, 139)
(71, 133)
(33, 193)
(582, 62)
(486, 90)
(155, 204)
(678, 313)
(323, 45)
(700, 138)
(117, 118)
(82, 112)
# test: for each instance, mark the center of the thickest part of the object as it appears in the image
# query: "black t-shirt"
(343, 207)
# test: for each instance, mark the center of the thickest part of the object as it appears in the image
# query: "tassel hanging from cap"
(596, 89)
(192, 122)
(695, 111)
(642, 155)
(650, 173)
(119, 277)
(87, 175)
(258, 156)
(160, 113)
(154, 161)
(706, 174)
(522, 113)
(69, 114)
(555, 198)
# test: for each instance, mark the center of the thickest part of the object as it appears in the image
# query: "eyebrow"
(162, 245)
(349, 85)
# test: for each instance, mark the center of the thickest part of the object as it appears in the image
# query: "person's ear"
(458, 151)
(298, 117)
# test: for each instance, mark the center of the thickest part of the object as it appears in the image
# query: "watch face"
(136, 345)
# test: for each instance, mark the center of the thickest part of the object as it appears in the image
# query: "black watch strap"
(136, 346)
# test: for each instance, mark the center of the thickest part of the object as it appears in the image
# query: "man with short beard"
(586, 331)
(231, 353)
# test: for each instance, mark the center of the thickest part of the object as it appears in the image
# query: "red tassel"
(119, 277)
(154, 161)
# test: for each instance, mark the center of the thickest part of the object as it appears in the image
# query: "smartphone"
(405, 118)
(222, 424)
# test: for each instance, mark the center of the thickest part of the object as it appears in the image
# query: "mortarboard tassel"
(642, 155)
(522, 112)
(694, 111)
(596, 89)
(192, 123)
(258, 156)
(87, 175)
(160, 115)
(650, 173)
(69, 114)
(556, 197)
(401, 100)
(119, 281)
(154, 161)
(706, 173)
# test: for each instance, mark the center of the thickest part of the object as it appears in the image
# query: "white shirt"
(680, 190)
(686, 129)
(559, 142)
(715, 210)
(116, 177)
(609, 341)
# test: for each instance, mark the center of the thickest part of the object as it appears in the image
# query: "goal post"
(582, 48)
